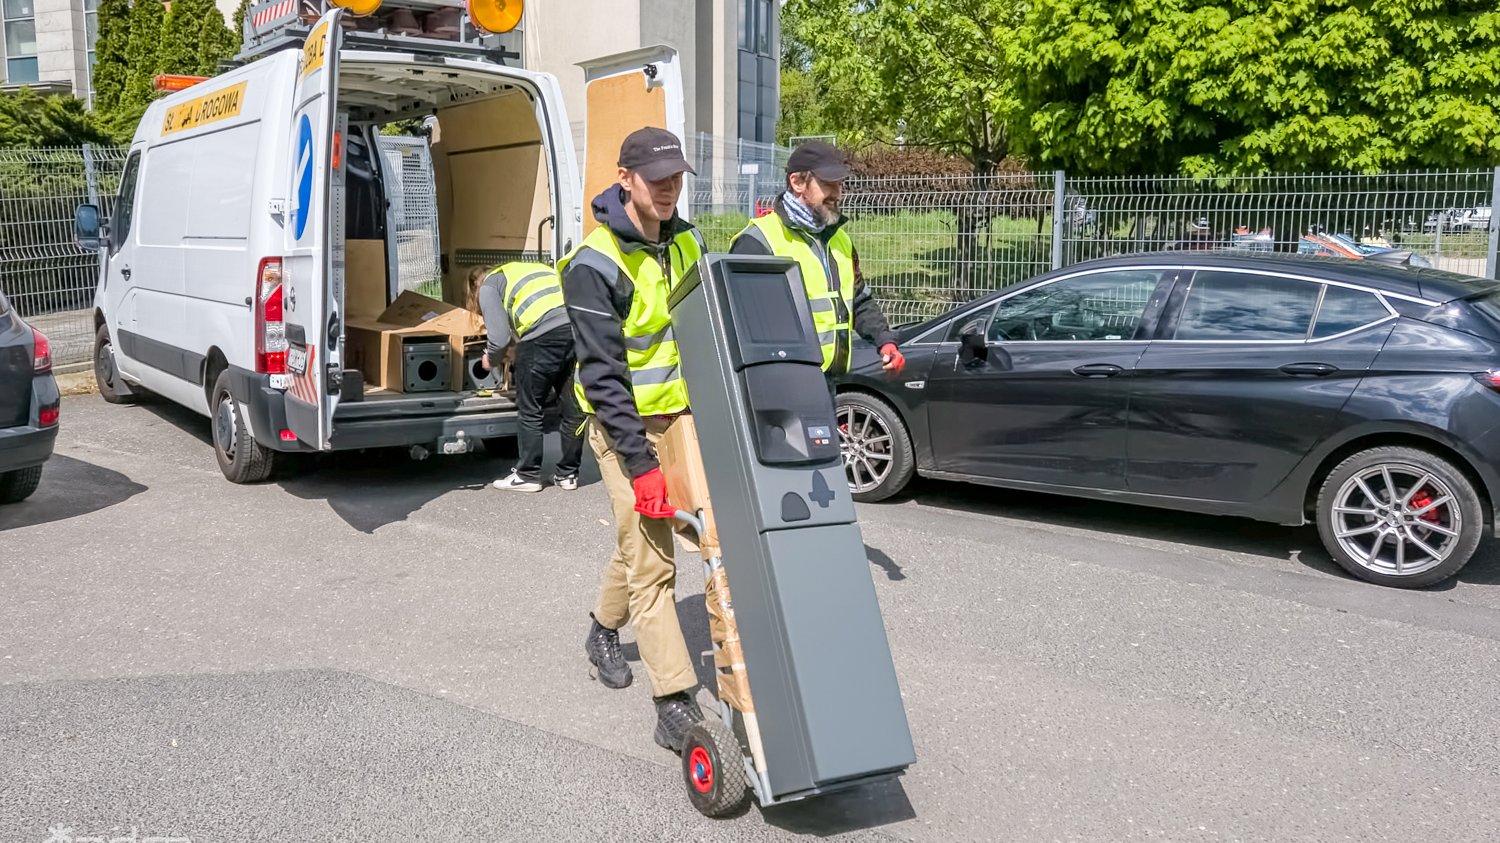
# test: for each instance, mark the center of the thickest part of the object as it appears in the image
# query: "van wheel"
(878, 457)
(112, 387)
(1399, 517)
(241, 458)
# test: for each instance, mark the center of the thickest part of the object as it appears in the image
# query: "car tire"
(1399, 517)
(879, 438)
(17, 486)
(112, 387)
(241, 458)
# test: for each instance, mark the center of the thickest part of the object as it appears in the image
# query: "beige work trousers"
(639, 582)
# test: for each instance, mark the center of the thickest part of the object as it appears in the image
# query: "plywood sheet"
(615, 106)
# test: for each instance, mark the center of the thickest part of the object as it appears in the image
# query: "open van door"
(625, 92)
(314, 266)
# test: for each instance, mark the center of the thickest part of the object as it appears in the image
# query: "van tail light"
(270, 326)
(1490, 379)
(41, 360)
(48, 416)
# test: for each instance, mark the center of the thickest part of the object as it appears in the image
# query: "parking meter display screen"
(765, 313)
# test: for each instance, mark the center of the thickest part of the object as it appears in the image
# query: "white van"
(254, 225)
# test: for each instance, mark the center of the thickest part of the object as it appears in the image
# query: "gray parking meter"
(816, 656)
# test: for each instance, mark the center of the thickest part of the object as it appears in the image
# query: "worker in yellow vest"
(525, 301)
(807, 227)
(630, 386)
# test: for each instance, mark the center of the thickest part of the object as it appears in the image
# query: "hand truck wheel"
(713, 768)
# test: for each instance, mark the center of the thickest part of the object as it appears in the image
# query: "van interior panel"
(493, 198)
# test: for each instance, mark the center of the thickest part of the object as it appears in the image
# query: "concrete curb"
(76, 383)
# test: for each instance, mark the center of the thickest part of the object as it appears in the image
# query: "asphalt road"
(373, 649)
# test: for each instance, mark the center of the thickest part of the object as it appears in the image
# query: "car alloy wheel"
(865, 444)
(1397, 519)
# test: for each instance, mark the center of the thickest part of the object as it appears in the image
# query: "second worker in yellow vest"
(525, 301)
(617, 285)
(808, 228)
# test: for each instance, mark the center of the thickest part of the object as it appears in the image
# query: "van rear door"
(625, 92)
(314, 269)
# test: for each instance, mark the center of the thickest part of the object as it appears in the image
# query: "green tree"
(194, 39)
(941, 70)
(1236, 86)
(144, 63)
(32, 121)
(110, 68)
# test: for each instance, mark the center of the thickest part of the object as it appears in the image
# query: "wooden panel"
(496, 121)
(616, 106)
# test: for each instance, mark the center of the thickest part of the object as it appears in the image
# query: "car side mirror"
(88, 228)
(972, 348)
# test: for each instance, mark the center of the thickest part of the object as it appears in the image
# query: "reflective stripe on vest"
(650, 347)
(530, 291)
(832, 311)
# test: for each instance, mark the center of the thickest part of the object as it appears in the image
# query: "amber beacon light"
(359, 7)
(495, 16)
(173, 82)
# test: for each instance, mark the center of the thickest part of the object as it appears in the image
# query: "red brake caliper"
(1423, 498)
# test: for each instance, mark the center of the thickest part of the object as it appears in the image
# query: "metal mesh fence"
(408, 162)
(46, 276)
(924, 242)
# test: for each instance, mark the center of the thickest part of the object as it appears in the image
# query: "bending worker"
(808, 228)
(525, 300)
(616, 286)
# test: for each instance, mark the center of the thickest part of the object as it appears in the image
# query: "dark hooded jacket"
(597, 306)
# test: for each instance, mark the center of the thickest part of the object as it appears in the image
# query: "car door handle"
(1098, 370)
(1314, 369)
(125, 272)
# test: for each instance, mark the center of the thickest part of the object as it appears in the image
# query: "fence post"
(1492, 260)
(89, 174)
(1059, 188)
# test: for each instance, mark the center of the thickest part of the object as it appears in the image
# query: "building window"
(91, 34)
(747, 21)
(20, 42)
(763, 27)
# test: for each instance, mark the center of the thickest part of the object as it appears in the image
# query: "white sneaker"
(513, 483)
(566, 482)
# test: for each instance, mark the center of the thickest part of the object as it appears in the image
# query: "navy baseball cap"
(823, 160)
(654, 153)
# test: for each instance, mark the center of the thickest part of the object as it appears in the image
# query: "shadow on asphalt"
(1226, 533)
(69, 488)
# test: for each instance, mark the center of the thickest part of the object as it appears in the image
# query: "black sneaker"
(675, 714)
(603, 648)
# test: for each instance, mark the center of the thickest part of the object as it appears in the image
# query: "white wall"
(560, 34)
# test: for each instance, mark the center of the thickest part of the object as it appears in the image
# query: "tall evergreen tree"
(144, 63)
(216, 41)
(178, 51)
(110, 68)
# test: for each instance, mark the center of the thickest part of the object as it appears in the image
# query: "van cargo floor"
(383, 403)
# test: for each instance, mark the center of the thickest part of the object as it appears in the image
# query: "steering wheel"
(1002, 335)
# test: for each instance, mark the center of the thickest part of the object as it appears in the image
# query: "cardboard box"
(365, 281)
(687, 483)
(374, 346)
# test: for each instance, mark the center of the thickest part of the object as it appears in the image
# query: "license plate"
(296, 360)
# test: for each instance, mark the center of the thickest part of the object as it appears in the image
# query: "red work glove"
(894, 360)
(651, 495)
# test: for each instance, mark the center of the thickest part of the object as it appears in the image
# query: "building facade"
(729, 49)
(49, 44)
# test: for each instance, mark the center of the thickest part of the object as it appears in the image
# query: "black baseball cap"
(654, 153)
(823, 160)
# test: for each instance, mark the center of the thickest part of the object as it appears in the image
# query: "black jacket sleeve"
(749, 242)
(869, 320)
(594, 309)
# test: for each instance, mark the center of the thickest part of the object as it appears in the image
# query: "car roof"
(1419, 282)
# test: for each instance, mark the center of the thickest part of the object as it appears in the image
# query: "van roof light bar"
(437, 28)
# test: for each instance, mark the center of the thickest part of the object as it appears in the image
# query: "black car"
(1283, 388)
(29, 405)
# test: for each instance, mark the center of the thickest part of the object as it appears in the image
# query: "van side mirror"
(88, 228)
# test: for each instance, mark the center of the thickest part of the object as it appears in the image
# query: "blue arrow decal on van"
(304, 175)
